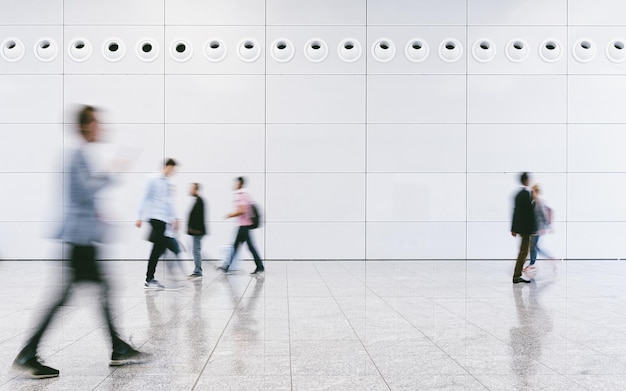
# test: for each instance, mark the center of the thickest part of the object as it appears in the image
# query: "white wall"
(391, 159)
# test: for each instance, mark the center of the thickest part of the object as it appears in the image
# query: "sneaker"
(222, 268)
(132, 356)
(153, 284)
(194, 276)
(257, 271)
(520, 279)
(34, 368)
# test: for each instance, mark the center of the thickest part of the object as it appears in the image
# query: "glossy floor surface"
(331, 325)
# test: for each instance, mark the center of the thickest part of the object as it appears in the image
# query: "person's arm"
(171, 211)
(89, 181)
(240, 211)
(241, 208)
(514, 219)
(144, 203)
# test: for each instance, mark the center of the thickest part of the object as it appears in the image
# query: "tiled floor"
(333, 325)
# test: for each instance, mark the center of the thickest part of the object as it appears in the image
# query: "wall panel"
(399, 137)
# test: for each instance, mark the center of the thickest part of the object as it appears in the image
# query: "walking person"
(243, 210)
(543, 218)
(81, 229)
(523, 224)
(157, 208)
(197, 229)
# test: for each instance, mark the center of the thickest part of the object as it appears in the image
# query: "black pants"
(157, 237)
(84, 267)
(243, 235)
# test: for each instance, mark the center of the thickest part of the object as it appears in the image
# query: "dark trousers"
(524, 248)
(243, 235)
(157, 237)
(84, 267)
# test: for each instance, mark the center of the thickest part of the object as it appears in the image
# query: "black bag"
(255, 216)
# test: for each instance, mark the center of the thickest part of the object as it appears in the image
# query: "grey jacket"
(81, 224)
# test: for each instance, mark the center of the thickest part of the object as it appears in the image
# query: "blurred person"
(197, 229)
(543, 220)
(157, 208)
(81, 229)
(175, 267)
(523, 224)
(244, 212)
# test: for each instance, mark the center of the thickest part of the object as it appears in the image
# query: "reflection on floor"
(332, 325)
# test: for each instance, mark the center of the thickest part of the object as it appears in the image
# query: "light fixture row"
(315, 50)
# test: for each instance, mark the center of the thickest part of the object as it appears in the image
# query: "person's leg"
(172, 245)
(30, 349)
(521, 257)
(174, 266)
(539, 250)
(239, 239)
(86, 268)
(255, 255)
(197, 254)
(27, 359)
(533, 249)
(122, 352)
(158, 238)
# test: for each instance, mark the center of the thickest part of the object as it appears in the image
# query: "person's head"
(525, 178)
(88, 124)
(536, 190)
(194, 189)
(239, 182)
(169, 167)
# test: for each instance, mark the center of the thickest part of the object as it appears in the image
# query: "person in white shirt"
(157, 208)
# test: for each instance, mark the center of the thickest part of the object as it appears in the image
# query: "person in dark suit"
(197, 229)
(524, 225)
(81, 229)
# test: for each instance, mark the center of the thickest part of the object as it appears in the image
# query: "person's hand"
(175, 225)
(138, 223)
(513, 234)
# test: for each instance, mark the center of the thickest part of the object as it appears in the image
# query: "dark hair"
(241, 180)
(196, 185)
(169, 162)
(524, 178)
(85, 117)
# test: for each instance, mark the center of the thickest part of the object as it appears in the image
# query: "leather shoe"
(518, 280)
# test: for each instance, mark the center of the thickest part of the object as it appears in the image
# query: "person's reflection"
(244, 323)
(196, 327)
(526, 338)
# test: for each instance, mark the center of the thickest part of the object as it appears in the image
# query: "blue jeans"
(197, 254)
(534, 249)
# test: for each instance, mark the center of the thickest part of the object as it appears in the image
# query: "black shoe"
(518, 280)
(222, 268)
(257, 271)
(132, 356)
(33, 368)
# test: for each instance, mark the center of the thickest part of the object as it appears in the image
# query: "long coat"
(523, 214)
